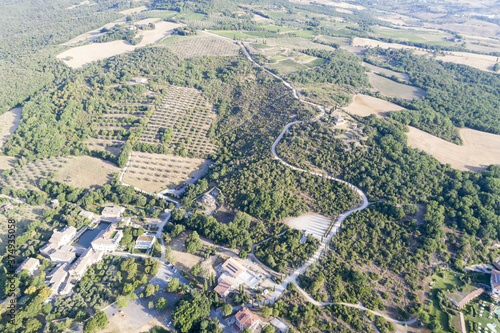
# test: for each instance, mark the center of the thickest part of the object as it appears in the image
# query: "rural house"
(29, 264)
(244, 319)
(108, 239)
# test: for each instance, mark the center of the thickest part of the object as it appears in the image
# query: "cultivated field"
(315, 225)
(157, 172)
(479, 61)
(9, 122)
(204, 46)
(111, 146)
(81, 55)
(479, 149)
(189, 115)
(331, 3)
(386, 72)
(364, 105)
(27, 176)
(23, 214)
(133, 10)
(86, 172)
(390, 88)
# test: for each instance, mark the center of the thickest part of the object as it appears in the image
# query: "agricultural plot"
(81, 55)
(204, 46)
(479, 149)
(86, 172)
(111, 146)
(27, 176)
(157, 172)
(189, 116)
(9, 121)
(23, 214)
(386, 72)
(364, 106)
(390, 88)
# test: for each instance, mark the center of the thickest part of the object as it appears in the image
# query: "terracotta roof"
(247, 318)
(470, 297)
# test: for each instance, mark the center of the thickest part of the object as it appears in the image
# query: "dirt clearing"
(9, 122)
(86, 172)
(82, 55)
(480, 149)
(312, 224)
(364, 106)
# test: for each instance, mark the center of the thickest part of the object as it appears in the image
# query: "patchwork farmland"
(156, 172)
(189, 116)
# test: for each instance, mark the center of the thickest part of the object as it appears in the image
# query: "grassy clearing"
(86, 172)
(390, 88)
(157, 172)
(9, 121)
(286, 67)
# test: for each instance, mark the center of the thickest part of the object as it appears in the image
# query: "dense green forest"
(389, 170)
(31, 29)
(465, 95)
(287, 251)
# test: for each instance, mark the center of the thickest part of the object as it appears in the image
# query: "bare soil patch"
(81, 55)
(157, 172)
(479, 149)
(313, 224)
(9, 121)
(86, 172)
(364, 105)
(184, 261)
(390, 88)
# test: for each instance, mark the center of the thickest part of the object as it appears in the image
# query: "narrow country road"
(292, 278)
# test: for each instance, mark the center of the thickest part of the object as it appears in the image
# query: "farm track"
(292, 278)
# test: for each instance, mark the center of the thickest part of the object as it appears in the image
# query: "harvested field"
(364, 105)
(479, 149)
(156, 172)
(81, 55)
(86, 172)
(9, 121)
(189, 115)
(27, 176)
(330, 3)
(390, 88)
(204, 46)
(93, 34)
(313, 224)
(479, 61)
(386, 72)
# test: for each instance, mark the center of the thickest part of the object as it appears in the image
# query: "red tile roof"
(246, 317)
